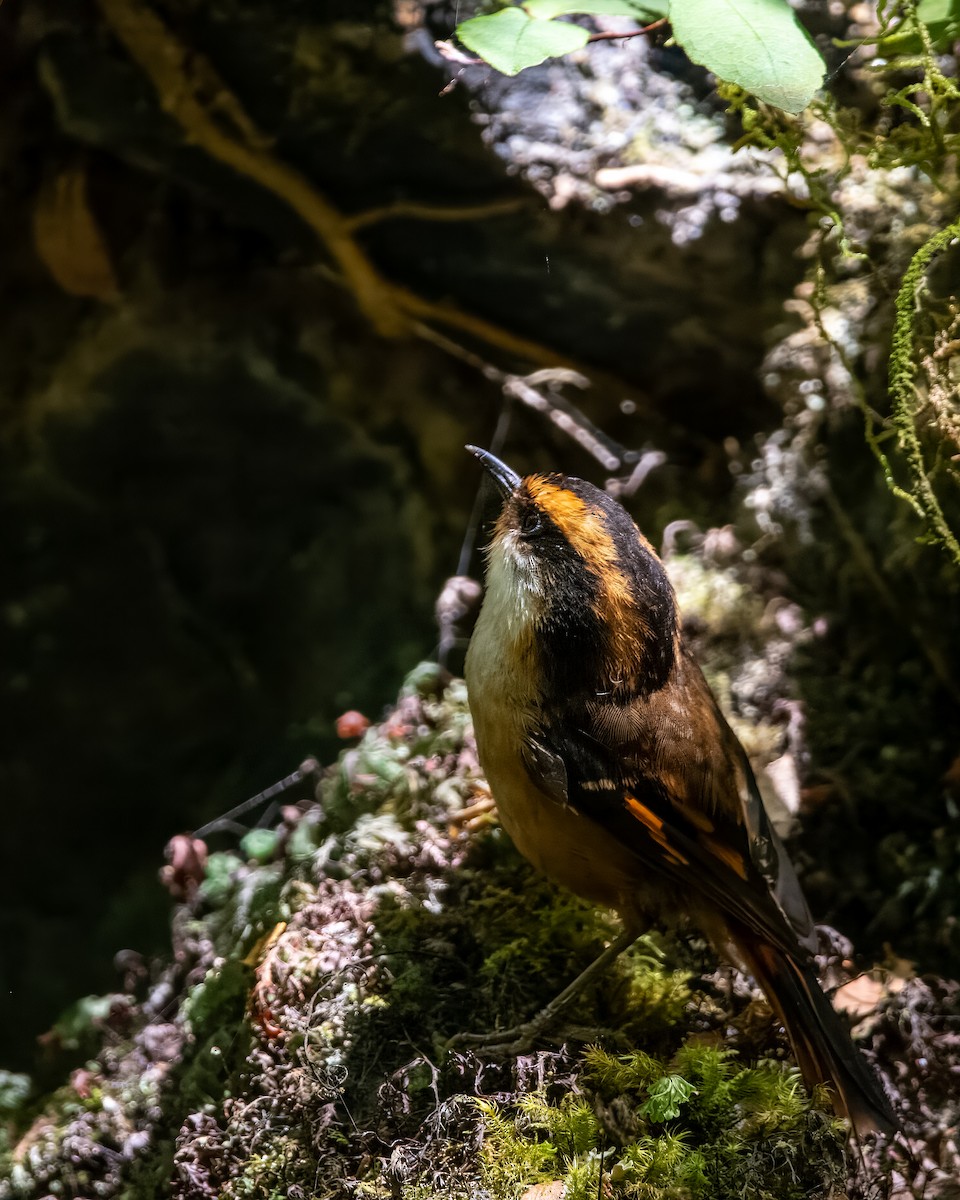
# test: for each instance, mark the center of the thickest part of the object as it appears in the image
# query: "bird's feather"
(645, 772)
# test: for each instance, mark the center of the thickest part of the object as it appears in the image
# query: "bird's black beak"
(507, 481)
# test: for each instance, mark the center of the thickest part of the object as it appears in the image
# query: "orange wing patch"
(732, 858)
(646, 815)
(694, 815)
(654, 825)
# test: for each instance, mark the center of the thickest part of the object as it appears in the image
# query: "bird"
(614, 770)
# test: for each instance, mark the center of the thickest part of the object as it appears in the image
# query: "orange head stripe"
(587, 533)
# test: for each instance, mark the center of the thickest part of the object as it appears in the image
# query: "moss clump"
(698, 1125)
(298, 1042)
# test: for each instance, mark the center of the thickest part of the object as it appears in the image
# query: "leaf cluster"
(756, 44)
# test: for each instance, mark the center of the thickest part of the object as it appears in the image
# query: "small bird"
(613, 769)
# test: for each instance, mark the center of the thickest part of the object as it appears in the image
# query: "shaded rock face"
(198, 518)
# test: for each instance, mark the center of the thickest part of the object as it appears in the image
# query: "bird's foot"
(521, 1039)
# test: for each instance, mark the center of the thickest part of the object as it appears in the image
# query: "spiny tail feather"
(821, 1042)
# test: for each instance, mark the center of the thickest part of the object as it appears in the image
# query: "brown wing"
(665, 774)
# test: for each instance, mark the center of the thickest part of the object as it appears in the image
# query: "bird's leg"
(522, 1038)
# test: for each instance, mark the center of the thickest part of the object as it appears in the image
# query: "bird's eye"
(530, 524)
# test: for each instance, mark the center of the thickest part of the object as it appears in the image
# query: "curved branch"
(220, 127)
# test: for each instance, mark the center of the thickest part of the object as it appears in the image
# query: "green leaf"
(666, 1097)
(932, 11)
(756, 44)
(641, 10)
(510, 40)
(942, 19)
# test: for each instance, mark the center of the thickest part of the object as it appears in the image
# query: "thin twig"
(609, 37)
(411, 210)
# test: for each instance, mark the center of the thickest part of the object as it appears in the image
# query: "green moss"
(14, 1092)
(79, 1028)
(715, 597)
(219, 878)
(402, 931)
(274, 1172)
(881, 854)
(376, 775)
(700, 1125)
(260, 844)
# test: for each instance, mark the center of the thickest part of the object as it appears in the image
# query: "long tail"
(820, 1039)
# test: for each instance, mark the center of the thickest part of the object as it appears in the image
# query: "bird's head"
(568, 564)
